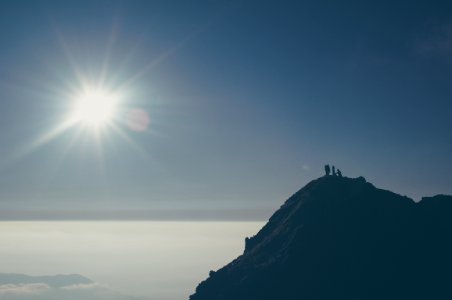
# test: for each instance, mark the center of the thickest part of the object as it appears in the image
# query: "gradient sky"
(247, 101)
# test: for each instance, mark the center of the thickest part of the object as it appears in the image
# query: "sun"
(94, 108)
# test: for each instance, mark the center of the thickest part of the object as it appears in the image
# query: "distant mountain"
(342, 238)
(51, 281)
(56, 287)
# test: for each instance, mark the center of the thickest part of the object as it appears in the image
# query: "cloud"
(437, 40)
(42, 291)
(82, 287)
(23, 289)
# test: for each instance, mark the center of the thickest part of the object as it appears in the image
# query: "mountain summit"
(343, 238)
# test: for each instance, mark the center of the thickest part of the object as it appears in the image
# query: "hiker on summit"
(327, 170)
(334, 171)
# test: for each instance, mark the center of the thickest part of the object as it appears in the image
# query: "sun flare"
(94, 108)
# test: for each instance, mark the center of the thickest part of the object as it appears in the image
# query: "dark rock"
(342, 238)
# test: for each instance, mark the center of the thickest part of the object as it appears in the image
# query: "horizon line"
(220, 215)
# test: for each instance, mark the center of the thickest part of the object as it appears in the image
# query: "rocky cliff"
(343, 238)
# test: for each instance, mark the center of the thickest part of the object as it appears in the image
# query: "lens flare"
(137, 120)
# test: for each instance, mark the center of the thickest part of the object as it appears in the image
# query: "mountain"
(343, 238)
(51, 281)
(55, 287)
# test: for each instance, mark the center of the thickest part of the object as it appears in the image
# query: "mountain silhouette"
(343, 238)
(51, 280)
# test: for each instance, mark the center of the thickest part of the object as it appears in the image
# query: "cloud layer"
(42, 291)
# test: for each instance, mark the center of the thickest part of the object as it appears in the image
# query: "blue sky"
(247, 101)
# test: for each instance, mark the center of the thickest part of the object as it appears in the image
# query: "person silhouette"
(327, 170)
(339, 173)
(334, 171)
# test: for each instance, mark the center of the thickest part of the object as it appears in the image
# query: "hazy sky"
(247, 101)
(154, 260)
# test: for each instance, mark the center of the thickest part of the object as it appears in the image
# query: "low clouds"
(22, 289)
(42, 291)
(75, 287)
(436, 40)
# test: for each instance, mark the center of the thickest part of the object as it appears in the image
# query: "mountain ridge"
(344, 238)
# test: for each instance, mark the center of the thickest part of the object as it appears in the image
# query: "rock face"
(342, 238)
